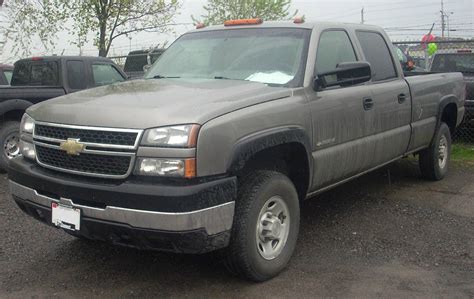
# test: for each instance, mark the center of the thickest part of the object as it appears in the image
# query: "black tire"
(429, 160)
(7, 130)
(242, 257)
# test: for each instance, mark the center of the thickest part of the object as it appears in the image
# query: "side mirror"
(345, 74)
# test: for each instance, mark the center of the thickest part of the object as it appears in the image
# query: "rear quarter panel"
(430, 94)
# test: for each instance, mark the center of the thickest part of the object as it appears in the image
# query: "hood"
(142, 104)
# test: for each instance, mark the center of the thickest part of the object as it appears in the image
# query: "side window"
(334, 47)
(377, 53)
(75, 74)
(8, 74)
(105, 74)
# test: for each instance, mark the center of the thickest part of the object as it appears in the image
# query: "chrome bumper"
(214, 219)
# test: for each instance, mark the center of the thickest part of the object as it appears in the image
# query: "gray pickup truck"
(230, 130)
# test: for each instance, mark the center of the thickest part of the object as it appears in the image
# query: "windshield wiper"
(165, 77)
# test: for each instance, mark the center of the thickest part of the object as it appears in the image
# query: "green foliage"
(463, 152)
(217, 11)
(107, 19)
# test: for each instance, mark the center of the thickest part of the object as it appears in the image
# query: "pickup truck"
(138, 61)
(460, 61)
(41, 78)
(230, 130)
(5, 74)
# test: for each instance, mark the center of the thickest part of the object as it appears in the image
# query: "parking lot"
(381, 235)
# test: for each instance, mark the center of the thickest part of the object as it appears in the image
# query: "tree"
(107, 19)
(217, 11)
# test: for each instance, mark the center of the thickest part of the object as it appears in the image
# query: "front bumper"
(136, 214)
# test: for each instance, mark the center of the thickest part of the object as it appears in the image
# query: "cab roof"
(292, 24)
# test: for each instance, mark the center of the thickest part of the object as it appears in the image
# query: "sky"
(402, 19)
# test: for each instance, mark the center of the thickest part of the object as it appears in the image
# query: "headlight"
(166, 167)
(27, 149)
(27, 124)
(174, 136)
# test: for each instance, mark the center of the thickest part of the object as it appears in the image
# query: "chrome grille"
(84, 163)
(107, 153)
(90, 136)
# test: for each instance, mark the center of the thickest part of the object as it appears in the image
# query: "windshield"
(274, 56)
(453, 63)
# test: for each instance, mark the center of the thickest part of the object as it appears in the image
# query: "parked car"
(232, 128)
(138, 61)
(5, 74)
(41, 78)
(460, 61)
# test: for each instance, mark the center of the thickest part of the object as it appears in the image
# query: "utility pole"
(362, 21)
(443, 15)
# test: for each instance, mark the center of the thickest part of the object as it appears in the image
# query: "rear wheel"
(10, 141)
(434, 161)
(266, 225)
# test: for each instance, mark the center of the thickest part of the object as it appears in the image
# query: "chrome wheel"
(273, 227)
(442, 152)
(11, 146)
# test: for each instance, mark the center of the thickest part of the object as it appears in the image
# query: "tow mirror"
(345, 74)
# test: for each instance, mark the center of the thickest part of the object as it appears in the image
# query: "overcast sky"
(403, 20)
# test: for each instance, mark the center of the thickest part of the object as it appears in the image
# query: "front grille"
(84, 163)
(86, 135)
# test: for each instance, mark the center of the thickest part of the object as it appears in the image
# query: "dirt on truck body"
(230, 130)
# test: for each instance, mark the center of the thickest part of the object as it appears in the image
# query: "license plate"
(66, 217)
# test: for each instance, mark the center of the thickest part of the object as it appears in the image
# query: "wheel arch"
(13, 109)
(285, 149)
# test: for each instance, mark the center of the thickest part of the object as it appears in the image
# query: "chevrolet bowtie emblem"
(72, 146)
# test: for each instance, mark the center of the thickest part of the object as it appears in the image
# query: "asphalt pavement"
(382, 235)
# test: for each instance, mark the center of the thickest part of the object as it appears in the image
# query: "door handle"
(368, 104)
(402, 98)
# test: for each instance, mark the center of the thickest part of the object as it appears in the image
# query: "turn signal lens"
(256, 21)
(27, 150)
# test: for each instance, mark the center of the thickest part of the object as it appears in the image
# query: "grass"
(463, 153)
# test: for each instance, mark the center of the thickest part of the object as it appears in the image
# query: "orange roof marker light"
(298, 20)
(257, 21)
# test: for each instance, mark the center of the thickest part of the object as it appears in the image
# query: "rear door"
(340, 145)
(389, 120)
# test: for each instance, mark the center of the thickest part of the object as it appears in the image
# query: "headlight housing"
(183, 136)
(27, 124)
(166, 167)
(27, 149)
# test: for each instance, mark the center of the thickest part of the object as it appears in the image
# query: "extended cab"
(41, 78)
(232, 128)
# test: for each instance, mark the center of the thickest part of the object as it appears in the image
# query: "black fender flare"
(16, 104)
(248, 146)
(444, 102)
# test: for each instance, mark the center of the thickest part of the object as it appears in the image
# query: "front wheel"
(434, 161)
(266, 225)
(10, 141)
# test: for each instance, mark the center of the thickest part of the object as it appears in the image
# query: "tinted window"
(8, 74)
(36, 73)
(105, 74)
(75, 75)
(453, 63)
(334, 47)
(136, 61)
(377, 54)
